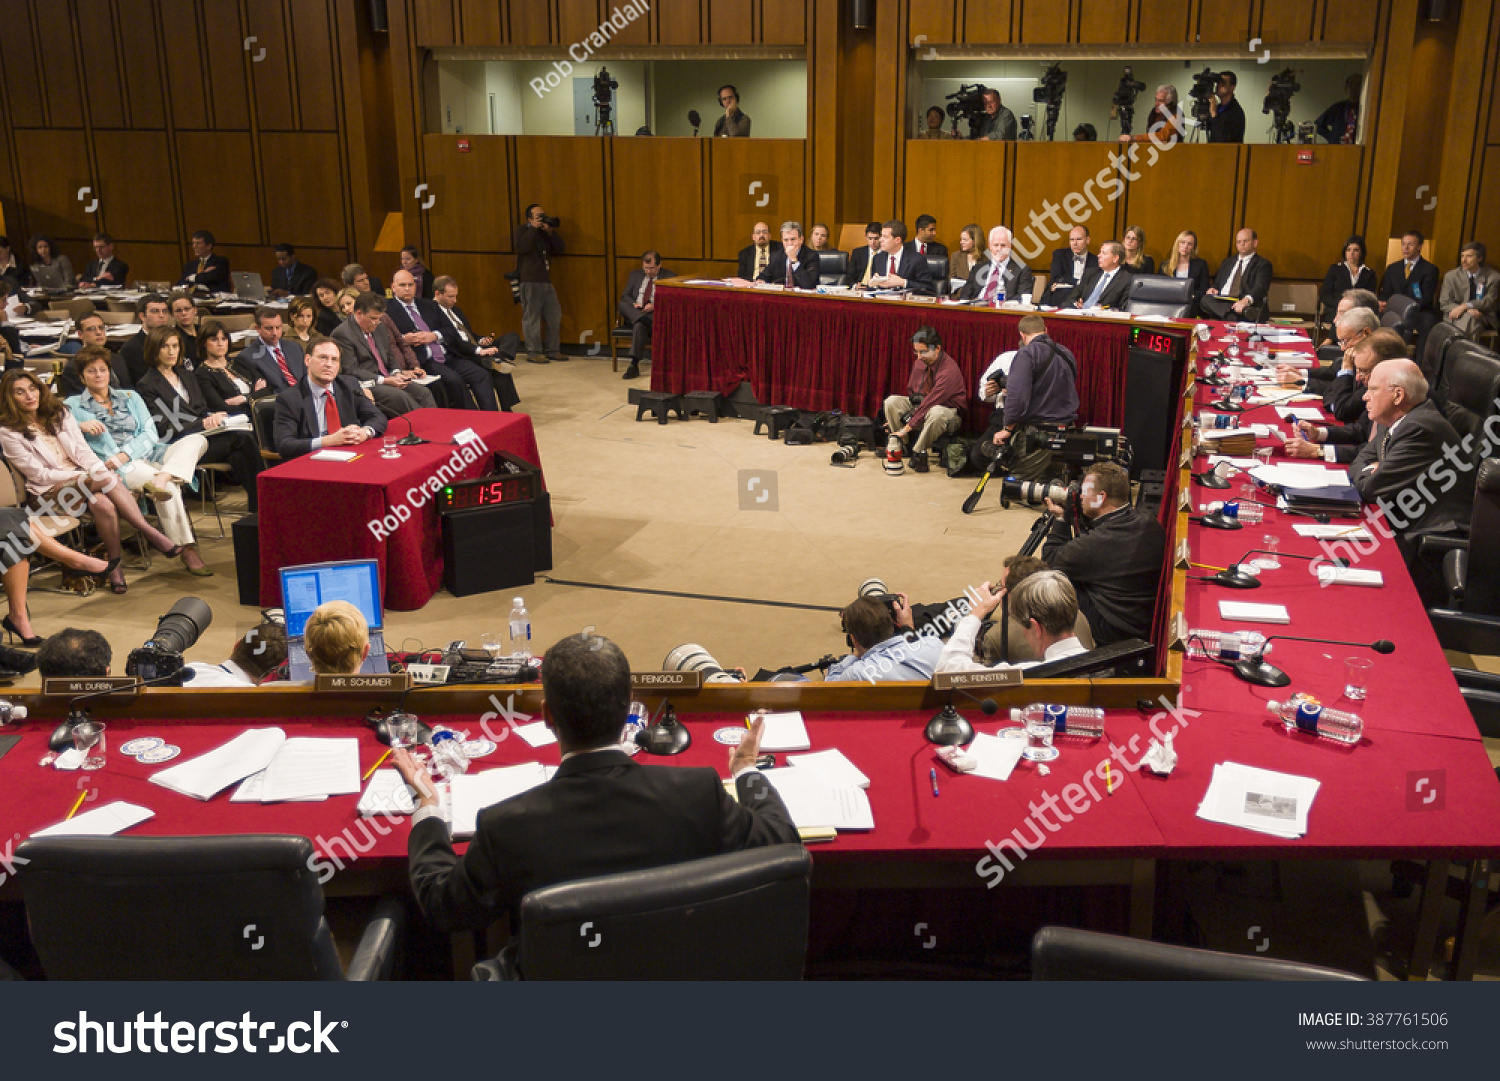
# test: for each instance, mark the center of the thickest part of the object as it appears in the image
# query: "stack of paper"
(1259, 799)
(997, 756)
(334, 455)
(833, 766)
(386, 794)
(303, 770)
(103, 821)
(473, 792)
(1348, 576)
(1330, 531)
(209, 774)
(784, 732)
(813, 802)
(1250, 612)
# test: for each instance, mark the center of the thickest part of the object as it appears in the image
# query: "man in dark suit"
(370, 358)
(91, 330)
(792, 263)
(1240, 287)
(1413, 277)
(323, 410)
(898, 266)
(460, 340)
(999, 275)
(927, 244)
(415, 318)
(205, 270)
(1108, 284)
(153, 313)
(757, 256)
(1403, 468)
(291, 278)
(104, 269)
(279, 363)
(861, 260)
(1069, 265)
(601, 813)
(636, 305)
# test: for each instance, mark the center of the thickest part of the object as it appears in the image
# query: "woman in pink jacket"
(39, 436)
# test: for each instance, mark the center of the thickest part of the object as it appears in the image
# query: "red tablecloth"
(825, 352)
(312, 511)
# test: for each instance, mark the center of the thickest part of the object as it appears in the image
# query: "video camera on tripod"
(1054, 83)
(1278, 102)
(604, 89)
(1123, 99)
(967, 103)
(1205, 85)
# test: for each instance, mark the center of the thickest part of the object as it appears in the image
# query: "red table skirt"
(821, 352)
(314, 511)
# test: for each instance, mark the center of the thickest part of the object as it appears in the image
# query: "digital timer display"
(1153, 340)
(486, 492)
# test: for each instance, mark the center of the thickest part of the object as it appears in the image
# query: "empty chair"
(245, 907)
(1160, 294)
(263, 421)
(1400, 311)
(685, 921)
(1471, 566)
(1435, 350)
(937, 270)
(1471, 382)
(832, 266)
(1063, 953)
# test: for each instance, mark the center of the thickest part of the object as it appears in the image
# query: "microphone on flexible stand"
(1218, 476)
(62, 736)
(1235, 578)
(1260, 673)
(695, 120)
(411, 438)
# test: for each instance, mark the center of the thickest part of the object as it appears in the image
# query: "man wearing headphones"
(879, 653)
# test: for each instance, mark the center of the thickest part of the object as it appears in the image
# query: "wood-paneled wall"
(495, 23)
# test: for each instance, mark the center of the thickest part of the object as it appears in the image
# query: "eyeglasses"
(726, 99)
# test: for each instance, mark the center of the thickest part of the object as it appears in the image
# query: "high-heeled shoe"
(29, 643)
(99, 578)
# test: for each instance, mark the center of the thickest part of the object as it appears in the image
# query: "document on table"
(334, 455)
(537, 734)
(997, 757)
(103, 821)
(1259, 799)
(252, 790)
(1299, 412)
(1254, 613)
(1348, 576)
(785, 732)
(1288, 475)
(473, 792)
(309, 768)
(209, 774)
(1331, 531)
(386, 794)
(835, 768)
(813, 802)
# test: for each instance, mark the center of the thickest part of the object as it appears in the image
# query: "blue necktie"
(1098, 289)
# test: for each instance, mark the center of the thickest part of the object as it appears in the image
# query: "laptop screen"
(304, 588)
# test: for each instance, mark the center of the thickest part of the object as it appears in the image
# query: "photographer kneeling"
(1045, 605)
(879, 652)
(1041, 391)
(934, 398)
(1115, 560)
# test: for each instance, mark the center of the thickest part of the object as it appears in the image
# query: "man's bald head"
(404, 286)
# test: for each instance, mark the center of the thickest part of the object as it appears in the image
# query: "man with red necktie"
(324, 410)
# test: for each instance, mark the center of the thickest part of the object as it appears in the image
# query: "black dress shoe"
(632, 372)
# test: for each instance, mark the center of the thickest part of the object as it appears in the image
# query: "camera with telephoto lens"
(846, 454)
(176, 633)
(1124, 95)
(691, 657)
(875, 588)
(553, 222)
(1205, 83)
(1033, 492)
(1278, 102)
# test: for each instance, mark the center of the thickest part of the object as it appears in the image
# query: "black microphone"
(695, 120)
(988, 706)
(1235, 578)
(411, 438)
(1213, 478)
(1260, 673)
(62, 736)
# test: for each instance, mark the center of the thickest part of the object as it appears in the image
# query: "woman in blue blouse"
(119, 429)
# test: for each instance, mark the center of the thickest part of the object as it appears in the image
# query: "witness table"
(377, 508)
(823, 351)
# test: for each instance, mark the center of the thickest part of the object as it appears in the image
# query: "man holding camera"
(878, 651)
(934, 398)
(1115, 562)
(1226, 119)
(536, 241)
(999, 123)
(1041, 392)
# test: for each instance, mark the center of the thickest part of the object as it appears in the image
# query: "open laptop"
(305, 587)
(247, 284)
(48, 277)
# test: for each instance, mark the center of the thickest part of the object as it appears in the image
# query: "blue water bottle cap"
(443, 735)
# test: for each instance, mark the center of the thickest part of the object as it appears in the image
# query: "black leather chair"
(937, 270)
(1471, 568)
(244, 907)
(1400, 314)
(1063, 953)
(1435, 349)
(1095, 662)
(1160, 294)
(740, 916)
(263, 421)
(1470, 383)
(832, 266)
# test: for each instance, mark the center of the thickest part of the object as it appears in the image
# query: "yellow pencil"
(1109, 780)
(81, 797)
(378, 763)
(356, 458)
(1207, 567)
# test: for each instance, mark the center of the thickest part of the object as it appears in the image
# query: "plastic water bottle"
(448, 758)
(10, 712)
(1085, 722)
(1302, 713)
(1226, 645)
(1245, 511)
(1000, 295)
(520, 630)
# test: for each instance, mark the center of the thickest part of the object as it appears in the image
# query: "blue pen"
(932, 773)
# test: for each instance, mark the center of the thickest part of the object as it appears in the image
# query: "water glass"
(494, 644)
(402, 728)
(388, 447)
(1357, 678)
(1039, 733)
(88, 740)
(1268, 560)
(1263, 455)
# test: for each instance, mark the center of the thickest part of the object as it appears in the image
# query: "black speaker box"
(489, 548)
(541, 537)
(245, 531)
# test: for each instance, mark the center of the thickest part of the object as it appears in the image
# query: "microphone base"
(411, 441)
(1210, 479)
(948, 729)
(1261, 674)
(1217, 520)
(1236, 580)
(665, 738)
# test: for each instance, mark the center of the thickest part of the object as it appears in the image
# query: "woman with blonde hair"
(1183, 262)
(337, 639)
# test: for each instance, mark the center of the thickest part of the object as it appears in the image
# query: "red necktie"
(922, 248)
(789, 282)
(650, 291)
(379, 360)
(330, 413)
(281, 363)
(993, 285)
